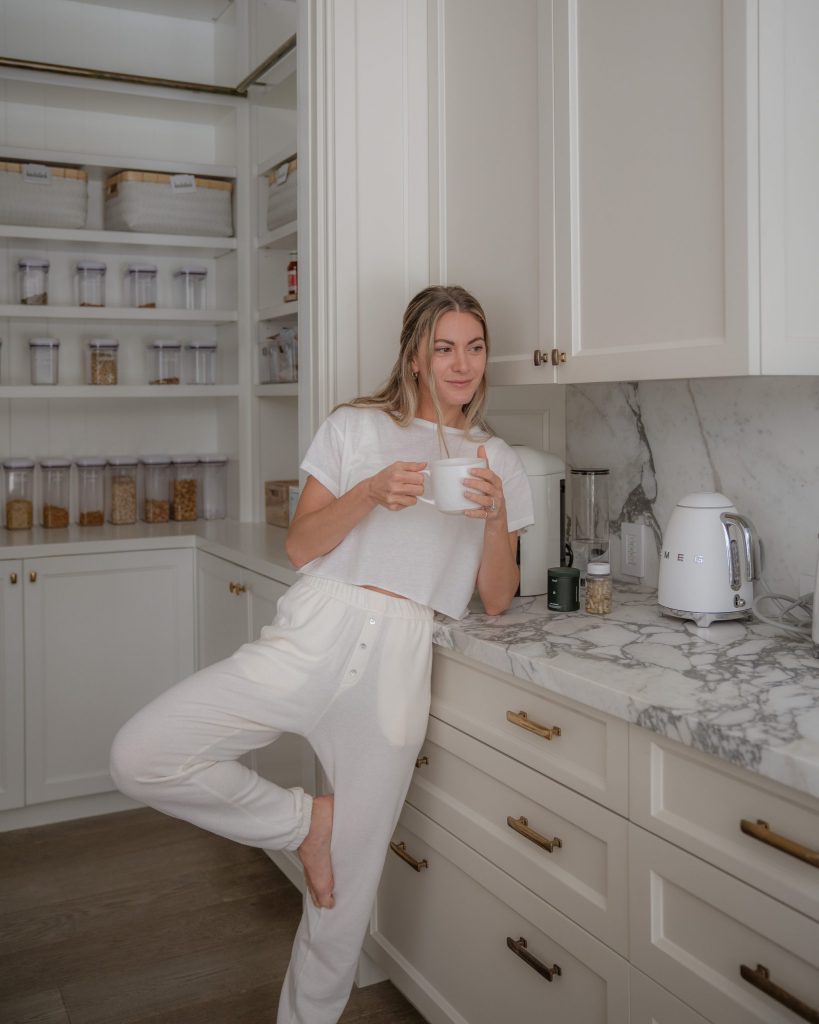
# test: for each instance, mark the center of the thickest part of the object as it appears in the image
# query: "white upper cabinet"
(789, 198)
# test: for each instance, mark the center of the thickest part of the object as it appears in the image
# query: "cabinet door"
(11, 685)
(789, 157)
(223, 614)
(104, 634)
(651, 1004)
(654, 189)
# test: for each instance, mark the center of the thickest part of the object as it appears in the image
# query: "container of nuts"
(156, 504)
(102, 361)
(598, 588)
(122, 489)
(90, 490)
(19, 487)
(54, 480)
(184, 488)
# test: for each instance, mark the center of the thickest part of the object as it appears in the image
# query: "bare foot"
(314, 853)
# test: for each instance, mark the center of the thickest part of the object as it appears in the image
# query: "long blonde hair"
(398, 397)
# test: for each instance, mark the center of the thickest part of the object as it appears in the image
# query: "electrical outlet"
(633, 549)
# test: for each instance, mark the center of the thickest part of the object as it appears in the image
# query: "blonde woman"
(346, 663)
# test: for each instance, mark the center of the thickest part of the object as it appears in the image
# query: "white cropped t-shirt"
(417, 552)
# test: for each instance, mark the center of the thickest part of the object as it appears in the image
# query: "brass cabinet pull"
(761, 830)
(12, 578)
(401, 850)
(237, 588)
(421, 760)
(761, 978)
(521, 826)
(522, 719)
(32, 576)
(519, 949)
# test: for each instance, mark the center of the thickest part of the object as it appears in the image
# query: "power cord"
(795, 614)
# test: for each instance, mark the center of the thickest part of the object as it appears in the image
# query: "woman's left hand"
(486, 488)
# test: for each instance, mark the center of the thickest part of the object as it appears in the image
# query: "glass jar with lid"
(213, 489)
(191, 287)
(598, 588)
(90, 490)
(185, 488)
(32, 275)
(44, 356)
(19, 490)
(54, 482)
(122, 489)
(164, 359)
(140, 285)
(156, 471)
(201, 362)
(102, 361)
(90, 277)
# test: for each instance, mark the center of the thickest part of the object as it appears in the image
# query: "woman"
(346, 663)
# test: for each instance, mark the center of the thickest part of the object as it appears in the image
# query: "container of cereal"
(140, 285)
(90, 277)
(185, 488)
(122, 489)
(191, 287)
(54, 481)
(32, 275)
(90, 490)
(44, 355)
(102, 361)
(156, 474)
(213, 486)
(201, 362)
(164, 359)
(19, 490)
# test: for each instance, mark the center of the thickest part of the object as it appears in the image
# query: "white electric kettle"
(709, 559)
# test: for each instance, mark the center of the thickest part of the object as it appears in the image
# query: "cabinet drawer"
(589, 754)
(472, 790)
(692, 927)
(448, 926)
(699, 802)
(652, 1004)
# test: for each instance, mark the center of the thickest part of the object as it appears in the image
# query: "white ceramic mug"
(448, 477)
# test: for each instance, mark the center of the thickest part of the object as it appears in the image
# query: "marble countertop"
(742, 691)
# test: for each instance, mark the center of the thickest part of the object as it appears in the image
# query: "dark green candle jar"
(563, 589)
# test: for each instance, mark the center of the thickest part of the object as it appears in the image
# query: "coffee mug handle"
(428, 501)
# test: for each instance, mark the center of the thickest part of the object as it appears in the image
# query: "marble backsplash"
(755, 439)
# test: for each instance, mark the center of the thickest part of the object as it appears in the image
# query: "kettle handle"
(750, 544)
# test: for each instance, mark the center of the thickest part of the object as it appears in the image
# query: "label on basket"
(281, 174)
(183, 183)
(37, 174)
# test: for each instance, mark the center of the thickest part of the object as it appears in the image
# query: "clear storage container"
(55, 484)
(90, 490)
(122, 490)
(44, 355)
(277, 358)
(90, 278)
(213, 486)
(19, 490)
(200, 357)
(191, 287)
(164, 358)
(156, 474)
(102, 361)
(32, 275)
(185, 488)
(598, 588)
(140, 285)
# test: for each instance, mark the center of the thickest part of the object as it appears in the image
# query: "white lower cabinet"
(12, 691)
(652, 1004)
(476, 947)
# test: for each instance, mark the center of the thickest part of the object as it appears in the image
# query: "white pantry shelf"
(81, 238)
(284, 237)
(109, 163)
(276, 391)
(109, 314)
(279, 311)
(99, 391)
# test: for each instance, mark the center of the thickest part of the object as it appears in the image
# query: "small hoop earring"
(415, 375)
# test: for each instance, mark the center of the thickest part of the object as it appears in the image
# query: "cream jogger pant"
(345, 667)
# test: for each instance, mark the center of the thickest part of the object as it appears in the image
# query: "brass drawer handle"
(519, 949)
(12, 578)
(522, 719)
(32, 576)
(401, 850)
(761, 978)
(521, 826)
(761, 830)
(421, 760)
(237, 588)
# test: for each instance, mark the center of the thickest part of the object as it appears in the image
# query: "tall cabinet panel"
(12, 791)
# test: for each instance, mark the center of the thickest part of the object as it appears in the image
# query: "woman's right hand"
(397, 486)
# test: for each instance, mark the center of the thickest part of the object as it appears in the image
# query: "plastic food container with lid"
(164, 359)
(185, 488)
(191, 286)
(44, 354)
(55, 483)
(32, 275)
(90, 277)
(102, 361)
(156, 472)
(122, 489)
(200, 357)
(19, 491)
(598, 588)
(140, 285)
(213, 486)
(91, 490)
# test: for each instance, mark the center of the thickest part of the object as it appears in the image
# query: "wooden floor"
(136, 918)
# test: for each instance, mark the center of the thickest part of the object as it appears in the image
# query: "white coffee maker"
(541, 545)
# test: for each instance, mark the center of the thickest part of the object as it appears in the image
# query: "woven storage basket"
(281, 194)
(142, 201)
(48, 196)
